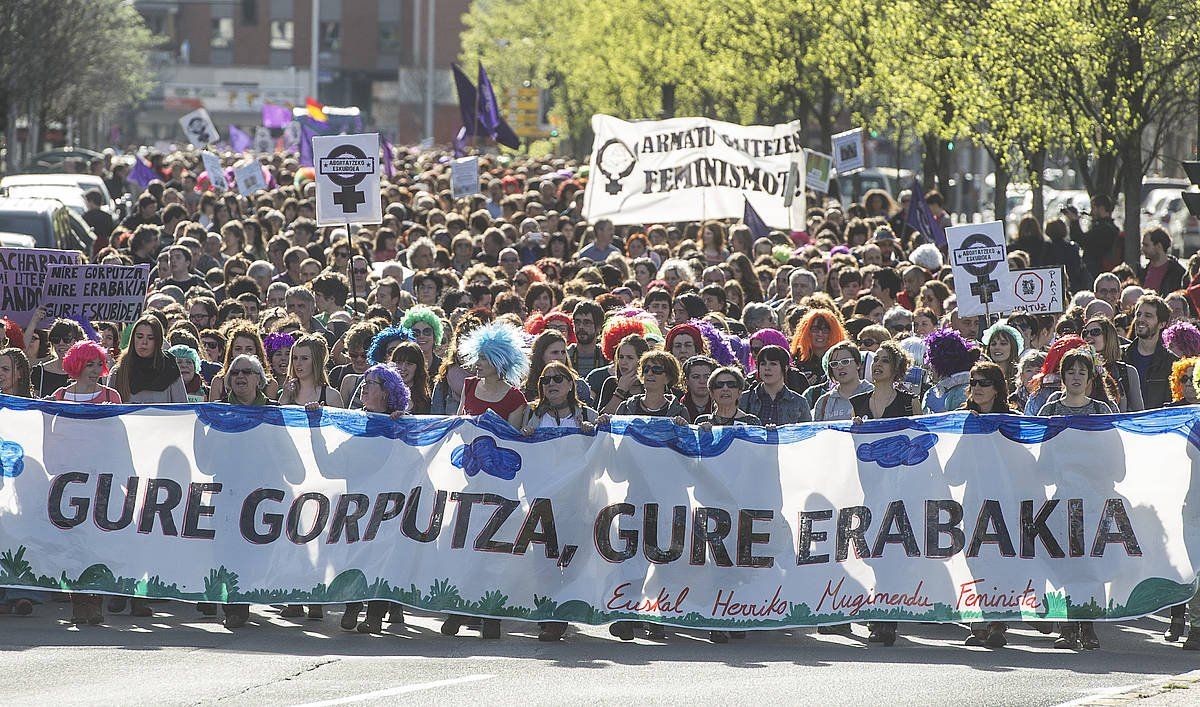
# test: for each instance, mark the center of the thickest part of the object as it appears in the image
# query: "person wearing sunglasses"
(726, 384)
(427, 329)
(49, 376)
(557, 405)
(843, 364)
(1099, 332)
(658, 372)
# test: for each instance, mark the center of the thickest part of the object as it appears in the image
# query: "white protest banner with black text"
(98, 293)
(347, 168)
(687, 169)
(216, 175)
(979, 261)
(952, 517)
(23, 276)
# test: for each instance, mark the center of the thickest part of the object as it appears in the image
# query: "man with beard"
(1146, 352)
(584, 354)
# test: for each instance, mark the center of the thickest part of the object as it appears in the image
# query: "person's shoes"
(882, 634)
(140, 608)
(995, 638)
(292, 611)
(79, 611)
(1193, 641)
(718, 636)
(316, 612)
(371, 624)
(350, 616)
(889, 637)
(1043, 627)
(1177, 627)
(117, 604)
(551, 631)
(489, 628)
(1088, 638)
(622, 630)
(655, 632)
(396, 615)
(1068, 640)
(451, 625)
(975, 640)
(207, 609)
(835, 630)
(875, 636)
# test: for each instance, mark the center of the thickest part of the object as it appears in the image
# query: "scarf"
(143, 376)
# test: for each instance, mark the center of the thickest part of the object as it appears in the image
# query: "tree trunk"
(1000, 195)
(1037, 171)
(1131, 173)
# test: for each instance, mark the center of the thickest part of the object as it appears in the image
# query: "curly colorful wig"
(536, 323)
(80, 354)
(14, 333)
(388, 376)
(377, 351)
(1183, 339)
(1180, 370)
(802, 346)
(717, 342)
(615, 331)
(947, 352)
(181, 351)
(424, 315)
(1058, 349)
(277, 341)
(502, 345)
(770, 337)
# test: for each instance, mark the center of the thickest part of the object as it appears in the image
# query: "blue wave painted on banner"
(898, 450)
(12, 459)
(651, 432)
(484, 455)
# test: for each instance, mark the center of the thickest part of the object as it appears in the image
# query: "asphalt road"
(181, 658)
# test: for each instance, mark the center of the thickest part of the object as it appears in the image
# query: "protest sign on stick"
(98, 293)
(23, 275)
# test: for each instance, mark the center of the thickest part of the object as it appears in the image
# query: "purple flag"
(921, 219)
(750, 217)
(489, 114)
(274, 116)
(238, 140)
(306, 136)
(466, 99)
(141, 174)
(388, 154)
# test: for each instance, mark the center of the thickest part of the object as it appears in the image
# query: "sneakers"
(1178, 616)
(995, 637)
(1087, 636)
(622, 630)
(1068, 640)
(451, 625)
(350, 616)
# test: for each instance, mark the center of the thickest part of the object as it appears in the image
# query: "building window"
(222, 32)
(331, 36)
(250, 12)
(283, 34)
(391, 37)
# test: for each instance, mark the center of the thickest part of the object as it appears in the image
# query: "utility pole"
(429, 69)
(314, 58)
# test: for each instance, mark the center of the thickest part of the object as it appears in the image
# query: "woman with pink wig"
(86, 362)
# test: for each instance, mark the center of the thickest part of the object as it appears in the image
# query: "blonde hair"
(319, 349)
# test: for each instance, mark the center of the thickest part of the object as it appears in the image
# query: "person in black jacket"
(1164, 274)
(1099, 240)
(1146, 352)
(1061, 251)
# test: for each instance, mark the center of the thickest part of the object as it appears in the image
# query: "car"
(70, 196)
(1185, 230)
(54, 160)
(15, 240)
(84, 182)
(50, 223)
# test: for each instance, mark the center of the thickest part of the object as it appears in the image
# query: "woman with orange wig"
(818, 330)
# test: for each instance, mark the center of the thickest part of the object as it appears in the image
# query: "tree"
(69, 57)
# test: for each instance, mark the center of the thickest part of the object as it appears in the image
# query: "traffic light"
(1192, 198)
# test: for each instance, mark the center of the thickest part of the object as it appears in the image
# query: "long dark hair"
(410, 352)
(125, 364)
(537, 358)
(989, 370)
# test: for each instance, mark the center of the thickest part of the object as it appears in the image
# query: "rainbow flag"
(315, 110)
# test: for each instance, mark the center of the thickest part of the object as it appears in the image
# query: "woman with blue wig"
(383, 392)
(494, 351)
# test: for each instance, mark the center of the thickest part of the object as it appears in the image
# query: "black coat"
(1156, 384)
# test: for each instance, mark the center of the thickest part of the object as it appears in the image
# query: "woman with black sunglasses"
(1102, 335)
(49, 376)
(725, 385)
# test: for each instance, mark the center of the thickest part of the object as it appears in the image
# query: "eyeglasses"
(981, 383)
(423, 331)
(868, 342)
(553, 378)
(64, 339)
(726, 384)
(243, 372)
(211, 345)
(841, 363)
(1094, 332)
(656, 370)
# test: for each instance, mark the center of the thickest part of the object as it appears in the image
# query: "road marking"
(402, 690)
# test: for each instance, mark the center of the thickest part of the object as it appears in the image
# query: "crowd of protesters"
(510, 302)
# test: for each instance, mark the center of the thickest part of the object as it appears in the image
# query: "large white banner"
(944, 518)
(687, 169)
(347, 168)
